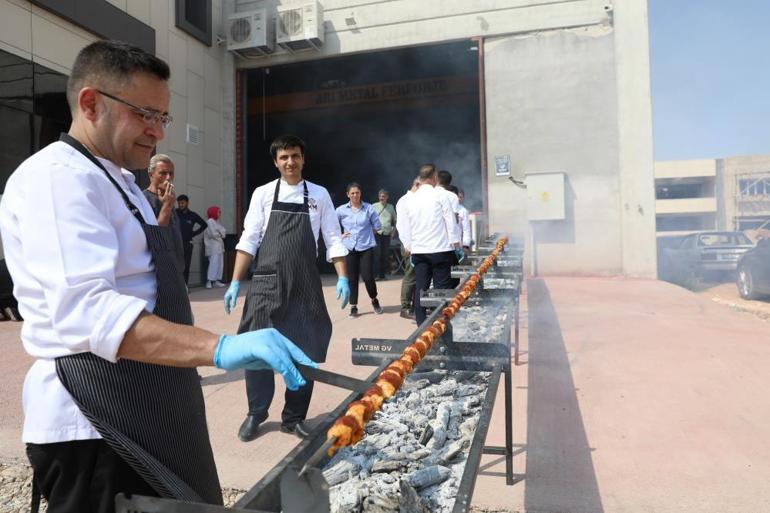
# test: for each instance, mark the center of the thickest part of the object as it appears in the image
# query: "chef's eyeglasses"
(148, 115)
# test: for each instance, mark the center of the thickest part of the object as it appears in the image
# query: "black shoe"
(376, 306)
(353, 312)
(249, 429)
(300, 429)
(407, 314)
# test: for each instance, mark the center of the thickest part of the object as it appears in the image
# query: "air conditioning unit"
(251, 34)
(300, 27)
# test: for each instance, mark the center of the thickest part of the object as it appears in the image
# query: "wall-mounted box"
(545, 196)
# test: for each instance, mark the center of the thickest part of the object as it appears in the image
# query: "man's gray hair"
(383, 191)
(157, 159)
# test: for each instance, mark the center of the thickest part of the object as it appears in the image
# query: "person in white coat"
(214, 245)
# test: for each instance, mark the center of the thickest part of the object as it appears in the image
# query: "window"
(758, 186)
(194, 17)
(33, 110)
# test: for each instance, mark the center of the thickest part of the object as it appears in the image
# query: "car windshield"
(723, 239)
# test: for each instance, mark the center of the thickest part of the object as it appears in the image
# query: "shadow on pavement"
(560, 475)
(224, 377)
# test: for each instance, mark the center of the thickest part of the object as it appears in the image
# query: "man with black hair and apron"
(113, 402)
(281, 231)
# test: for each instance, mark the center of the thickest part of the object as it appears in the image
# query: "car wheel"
(693, 280)
(745, 283)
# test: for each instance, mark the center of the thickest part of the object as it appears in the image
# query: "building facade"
(494, 91)
(731, 193)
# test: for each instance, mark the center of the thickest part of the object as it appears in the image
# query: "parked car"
(753, 277)
(703, 254)
(760, 232)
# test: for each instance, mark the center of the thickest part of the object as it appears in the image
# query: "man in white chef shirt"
(427, 227)
(280, 232)
(82, 246)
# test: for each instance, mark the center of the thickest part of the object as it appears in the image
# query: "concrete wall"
(551, 106)
(353, 26)
(685, 168)
(201, 89)
(567, 89)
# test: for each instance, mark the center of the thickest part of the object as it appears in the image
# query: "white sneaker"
(218, 284)
(208, 284)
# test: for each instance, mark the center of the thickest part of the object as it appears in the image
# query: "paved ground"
(632, 396)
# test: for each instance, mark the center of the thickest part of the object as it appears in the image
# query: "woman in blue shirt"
(359, 223)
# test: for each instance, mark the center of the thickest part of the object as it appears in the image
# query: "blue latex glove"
(460, 254)
(263, 349)
(231, 296)
(343, 290)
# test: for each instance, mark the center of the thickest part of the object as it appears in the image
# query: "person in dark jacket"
(191, 225)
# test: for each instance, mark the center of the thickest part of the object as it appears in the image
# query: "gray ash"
(390, 470)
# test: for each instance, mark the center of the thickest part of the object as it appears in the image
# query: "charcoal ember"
(387, 466)
(381, 503)
(380, 426)
(468, 428)
(425, 435)
(347, 497)
(468, 390)
(418, 421)
(439, 425)
(428, 476)
(468, 404)
(376, 442)
(342, 471)
(417, 454)
(446, 387)
(410, 502)
(446, 454)
(415, 384)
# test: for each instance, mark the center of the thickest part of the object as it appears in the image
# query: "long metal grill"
(475, 353)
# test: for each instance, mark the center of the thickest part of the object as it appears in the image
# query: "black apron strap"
(153, 416)
(87, 154)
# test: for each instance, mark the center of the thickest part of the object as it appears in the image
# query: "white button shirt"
(426, 222)
(323, 217)
(82, 274)
(454, 204)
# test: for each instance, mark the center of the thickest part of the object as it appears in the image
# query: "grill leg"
(516, 332)
(508, 427)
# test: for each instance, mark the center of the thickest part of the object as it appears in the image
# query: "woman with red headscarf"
(214, 245)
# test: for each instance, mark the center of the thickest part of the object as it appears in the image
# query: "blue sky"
(710, 72)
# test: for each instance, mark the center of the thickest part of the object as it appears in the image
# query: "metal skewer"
(318, 455)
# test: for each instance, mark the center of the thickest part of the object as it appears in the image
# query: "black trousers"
(83, 476)
(260, 389)
(188, 251)
(427, 267)
(361, 263)
(381, 267)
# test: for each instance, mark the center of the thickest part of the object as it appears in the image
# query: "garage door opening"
(371, 118)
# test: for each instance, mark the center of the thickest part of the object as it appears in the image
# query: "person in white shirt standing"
(214, 247)
(408, 282)
(427, 227)
(280, 231)
(465, 221)
(113, 402)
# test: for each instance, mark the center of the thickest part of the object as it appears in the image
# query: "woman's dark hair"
(351, 185)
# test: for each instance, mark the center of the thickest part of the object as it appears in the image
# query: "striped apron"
(153, 416)
(286, 293)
